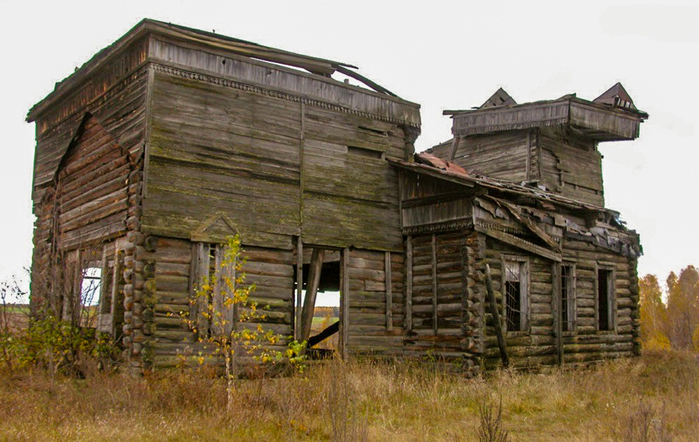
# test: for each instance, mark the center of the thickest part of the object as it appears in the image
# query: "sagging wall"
(86, 184)
(544, 341)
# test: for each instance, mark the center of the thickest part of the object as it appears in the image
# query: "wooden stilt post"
(311, 292)
(299, 288)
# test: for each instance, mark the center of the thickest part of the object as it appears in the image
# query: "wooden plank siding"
(216, 150)
(503, 155)
(572, 165)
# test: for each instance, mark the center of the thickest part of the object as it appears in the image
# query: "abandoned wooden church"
(172, 139)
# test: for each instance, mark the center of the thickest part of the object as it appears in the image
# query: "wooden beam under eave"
(311, 292)
(454, 147)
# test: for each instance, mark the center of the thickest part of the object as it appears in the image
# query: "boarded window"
(210, 314)
(516, 293)
(605, 299)
(567, 297)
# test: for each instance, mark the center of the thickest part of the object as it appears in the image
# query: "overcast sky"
(442, 55)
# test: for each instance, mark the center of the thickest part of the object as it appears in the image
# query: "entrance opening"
(319, 319)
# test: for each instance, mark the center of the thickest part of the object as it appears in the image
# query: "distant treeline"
(675, 323)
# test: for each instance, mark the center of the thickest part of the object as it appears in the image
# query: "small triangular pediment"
(216, 228)
(616, 96)
(499, 98)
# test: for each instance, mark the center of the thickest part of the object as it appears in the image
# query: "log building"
(172, 139)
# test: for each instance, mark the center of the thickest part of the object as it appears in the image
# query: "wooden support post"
(311, 292)
(556, 308)
(117, 308)
(434, 283)
(389, 292)
(299, 288)
(496, 317)
(454, 147)
(409, 284)
(344, 302)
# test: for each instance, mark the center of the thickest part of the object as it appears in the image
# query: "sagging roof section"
(318, 67)
(610, 117)
(545, 216)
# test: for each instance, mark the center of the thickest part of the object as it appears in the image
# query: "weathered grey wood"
(434, 284)
(311, 292)
(344, 302)
(299, 288)
(556, 309)
(200, 268)
(502, 345)
(409, 284)
(389, 292)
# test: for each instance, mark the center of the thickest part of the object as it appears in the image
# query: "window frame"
(572, 297)
(611, 297)
(524, 293)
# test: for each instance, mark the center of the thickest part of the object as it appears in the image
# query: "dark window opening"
(364, 152)
(604, 300)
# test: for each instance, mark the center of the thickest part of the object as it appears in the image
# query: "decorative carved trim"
(461, 224)
(500, 228)
(270, 92)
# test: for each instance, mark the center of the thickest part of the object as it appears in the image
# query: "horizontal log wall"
(445, 309)
(95, 181)
(586, 343)
(538, 346)
(369, 332)
(270, 270)
(114, 94)
(535, 346)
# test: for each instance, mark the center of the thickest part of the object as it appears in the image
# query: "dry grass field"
(654, 397)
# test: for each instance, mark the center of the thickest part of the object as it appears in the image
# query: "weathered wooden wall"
(375, 309)
(571, 165)
(87, 163)
(505, 155)
(535, 346)
(444, 311)
(586, 343)
(539, 344)
(270, 270)
(276, 168)
(216, 150)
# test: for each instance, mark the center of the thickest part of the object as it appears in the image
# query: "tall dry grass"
(654, 398)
